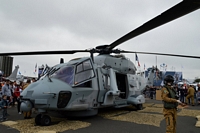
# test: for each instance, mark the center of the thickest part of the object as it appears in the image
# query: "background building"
(6, 63)
(160, 75)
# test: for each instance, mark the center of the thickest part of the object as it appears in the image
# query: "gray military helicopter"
(83, 85)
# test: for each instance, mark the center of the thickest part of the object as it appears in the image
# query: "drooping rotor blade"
(43, 52)
(176, 55)
(181, 9)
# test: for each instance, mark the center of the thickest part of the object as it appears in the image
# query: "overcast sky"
(27, 25)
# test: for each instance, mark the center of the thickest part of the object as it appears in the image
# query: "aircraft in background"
(14, 77)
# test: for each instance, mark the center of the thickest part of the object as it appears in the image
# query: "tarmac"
(99, 124)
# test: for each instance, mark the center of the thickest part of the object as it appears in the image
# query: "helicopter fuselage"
(81, 86)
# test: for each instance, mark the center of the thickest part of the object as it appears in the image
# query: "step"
(121, 106)
(120, 102)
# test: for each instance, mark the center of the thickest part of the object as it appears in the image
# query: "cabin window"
(84, 72)
(65, 74)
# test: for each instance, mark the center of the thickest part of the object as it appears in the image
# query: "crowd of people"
(188, 94)
(10, 96)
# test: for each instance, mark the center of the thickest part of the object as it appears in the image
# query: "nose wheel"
(139, 106)
(43, 120)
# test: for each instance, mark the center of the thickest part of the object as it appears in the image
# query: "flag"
(36, 67)
(136, 58)
(19, 73)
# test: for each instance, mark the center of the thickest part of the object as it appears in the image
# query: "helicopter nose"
(26, 106)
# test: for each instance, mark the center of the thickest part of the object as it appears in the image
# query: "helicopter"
(83, 85)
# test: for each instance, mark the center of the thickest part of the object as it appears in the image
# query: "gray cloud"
(53, 25)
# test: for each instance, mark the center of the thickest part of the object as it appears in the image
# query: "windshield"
(65, 74)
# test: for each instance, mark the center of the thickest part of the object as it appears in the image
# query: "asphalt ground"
(99, 124)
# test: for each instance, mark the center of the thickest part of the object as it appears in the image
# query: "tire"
(139, 106)
(38, 119)
(45, 120)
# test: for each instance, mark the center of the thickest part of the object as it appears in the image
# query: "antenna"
(61, 60)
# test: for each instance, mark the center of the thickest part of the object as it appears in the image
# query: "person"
(182, 94)
(28, 82)
(6, 90)
(11, 87)
(151, 92)
(2, 83)
(190, 94)
(4, 105)
(198, 86)
(198, 96)
(16, 96)
(145, 91)
(170, 101)
(176, 88)
(186, 86)
(33, 80)
(0, 92)
(27, 115)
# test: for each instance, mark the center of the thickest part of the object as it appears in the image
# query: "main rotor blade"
(181, 9)
(43, 52)
(176, 55)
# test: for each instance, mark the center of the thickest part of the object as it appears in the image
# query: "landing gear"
(139, 106)
(46, 120)
(38, 119)
(43, 120)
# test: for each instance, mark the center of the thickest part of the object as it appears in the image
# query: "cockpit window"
(83, 66)
(87, 65)
(79, 68)
(65, 74)
(84, 72)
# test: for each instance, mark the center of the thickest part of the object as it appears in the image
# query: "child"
(4, 105)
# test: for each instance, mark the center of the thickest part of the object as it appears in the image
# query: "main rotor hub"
(104, 49)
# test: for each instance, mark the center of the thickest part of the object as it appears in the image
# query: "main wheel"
(45, 120)
(139, 106)
(38, 119)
